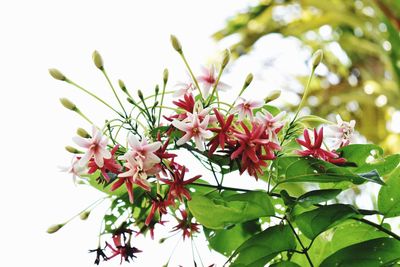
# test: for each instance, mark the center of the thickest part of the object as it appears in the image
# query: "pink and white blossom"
(143, 150)
(246, 107)
(193, 128)
(273, 124)
(209, 78)
(342, 133)
(184, 88)
(96, 147)
(76, 169)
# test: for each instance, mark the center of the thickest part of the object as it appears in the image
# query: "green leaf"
(369, 157)
(312, 223)
(216, 212)
(306, 169)
(376, 252)
(389, 196)
(263, 247)
(285, 264)
(226, 241)
(317, 196)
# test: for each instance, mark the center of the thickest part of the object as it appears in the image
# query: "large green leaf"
(312, 223)
(263, 247)
(306, 169)
(317, 196)
(215, 212)
(227, 240)
(285, 264)
(369, 157)
(389, 196)
(372, 253)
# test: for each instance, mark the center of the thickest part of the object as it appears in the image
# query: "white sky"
(133, 38)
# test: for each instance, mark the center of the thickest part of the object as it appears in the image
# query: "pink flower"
(186, 225)
(314, 148)
(157, 205)
(245, 109)
(122, 248)
(272, 124)
(208, 79)
(76, 169)
(143, 150)
(184, 89)
(193, 128)
(342, 133)
(110, 165)
(96, 147)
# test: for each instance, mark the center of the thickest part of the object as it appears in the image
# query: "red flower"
(187, 103)
(223, 135)
(159, 205)
(110, 165)
(177, 185)
(315, 149)
(185, 225)
(126, 251)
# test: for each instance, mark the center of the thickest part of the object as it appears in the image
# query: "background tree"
(361, 45)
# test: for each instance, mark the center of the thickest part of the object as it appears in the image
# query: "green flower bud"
(176, 44)
(56, 74)
(317, 58)
(54, 228)
(72, 150)
(98, 61)
(226, 57)
(84, 215)
(122, 86)
(165, 76)
(68, 104)
(157, 89)
(272, 96)
(82, 133)
(248, 80)
(130, 100)
(140, 94)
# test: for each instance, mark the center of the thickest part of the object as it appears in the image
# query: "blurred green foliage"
(361, 45)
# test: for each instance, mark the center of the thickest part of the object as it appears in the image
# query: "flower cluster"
(146, 179)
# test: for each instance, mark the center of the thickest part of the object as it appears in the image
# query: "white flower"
(143, 150)
(245, 109)
(184, 88)
(272, 124)
(76, 169)
(193, 128)
(342, 133)
(209, 78)
(96, 147)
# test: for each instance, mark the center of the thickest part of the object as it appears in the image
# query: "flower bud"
(248, 80)
(82, 133)
(317, 58)
(72, 150)
(140, 94)
(165, 76)
(176, 44)
(54, 228)
(98, 61)
(155, 104)
(157, 89)
(130, 100)
(56, 74)
(226, 57)
(162, 240)
(68, 104)
(272, 96)
(122, 86)
(84, 215)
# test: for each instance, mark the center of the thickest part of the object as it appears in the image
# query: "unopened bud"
(157, 89)
(226, 57)
(56, 74)
(82, 133)
(317, 58)
(176, 44)
(98, 61)
(272, 96)
(165, 76)
(248, 80)
(72, 150)
(54, 228)
(68, 104)
(84, 215)
(155, 104)
(122, 85)
(140, 94)
(130, 100)
(162, 240)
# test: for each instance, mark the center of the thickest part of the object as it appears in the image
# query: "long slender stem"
(215, 86)
(192, 75)
(93, 95)
(115, 93)
(377, 226)
(303, 99)
(304, 249)
(161, 103)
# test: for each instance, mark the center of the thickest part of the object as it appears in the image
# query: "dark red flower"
(122, 248)
(159, 205)
(110, 165)
(315, 150)
(187, 104)
(224, 133)
(186, 225)
(177, 184)
(99, 254)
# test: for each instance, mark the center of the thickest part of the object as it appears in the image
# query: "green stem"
(115, 93)
(304, 249)
(161, 103)
(192, 75)
(303, 99)
(215, 87)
